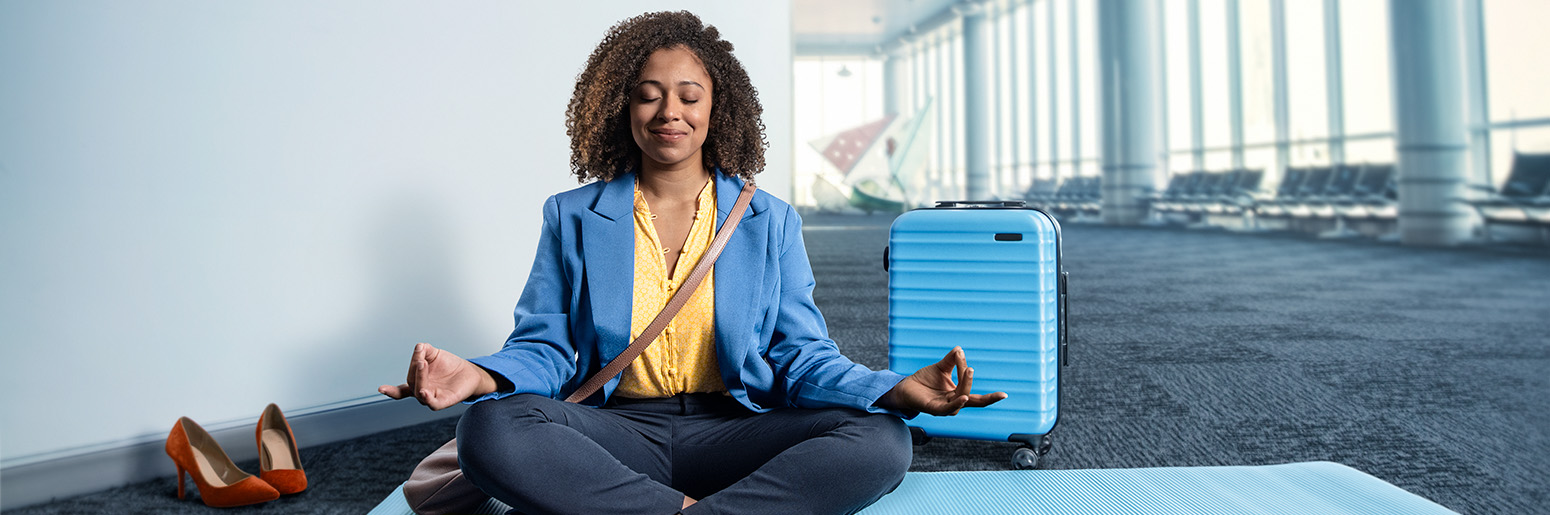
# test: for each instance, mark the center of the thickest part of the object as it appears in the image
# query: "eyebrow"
(680, 83)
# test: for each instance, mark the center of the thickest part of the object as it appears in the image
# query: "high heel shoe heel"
(221, 484)
(279, 463)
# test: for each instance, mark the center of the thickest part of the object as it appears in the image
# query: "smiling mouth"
(669, 135)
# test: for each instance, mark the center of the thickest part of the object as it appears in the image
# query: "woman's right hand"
(440, 379)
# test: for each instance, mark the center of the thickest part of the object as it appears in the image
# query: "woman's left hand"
(931, 389)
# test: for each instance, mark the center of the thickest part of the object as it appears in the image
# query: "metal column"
(977, 93)
(1128, 110)
(1426, 40)
(1334, 81)
(896, 81)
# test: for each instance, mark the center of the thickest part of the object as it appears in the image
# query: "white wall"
(209, 206)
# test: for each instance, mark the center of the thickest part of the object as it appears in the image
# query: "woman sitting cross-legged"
(742, 404)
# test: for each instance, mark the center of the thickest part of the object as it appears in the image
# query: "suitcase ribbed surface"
(952, 282)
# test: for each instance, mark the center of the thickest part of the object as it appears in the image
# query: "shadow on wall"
(413, 296)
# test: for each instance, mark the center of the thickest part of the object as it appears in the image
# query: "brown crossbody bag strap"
(674, 304)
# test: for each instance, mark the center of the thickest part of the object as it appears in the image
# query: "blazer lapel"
(739, 273)
(608, 247)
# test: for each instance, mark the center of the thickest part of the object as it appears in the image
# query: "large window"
(1257, 83)
(830, 95)
(1179, 73)
(1307, 96)
(1516, 77)
(1515, 58)
(1257, 76)
(1002, 112)
(1364, 72)
(1043, 89)
(1087, 118)
(1215, 109)
(1064, 108)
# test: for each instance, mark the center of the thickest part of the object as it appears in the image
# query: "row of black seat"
(1229, 192)
(1342, 192)
(1076, 196)
(1525, 198)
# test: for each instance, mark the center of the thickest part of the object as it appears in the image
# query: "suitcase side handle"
(1065, 320)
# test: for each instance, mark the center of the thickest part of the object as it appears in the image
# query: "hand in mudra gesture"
(931, 389)
(440, 379)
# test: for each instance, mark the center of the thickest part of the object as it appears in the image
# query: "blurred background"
(899, 103)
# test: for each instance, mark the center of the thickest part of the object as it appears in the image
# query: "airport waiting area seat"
(1309, 193)
(1276, 206)
(1375, 196)
(1072, 197)
(1169, 199)
(1242, 194)
(1335, 195)
(1525, 198)
(1341, 185)
(1197, 194)
(1208, 190)
(1041, 192)
(1291, 488)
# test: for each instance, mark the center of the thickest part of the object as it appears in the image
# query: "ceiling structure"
(859, 27)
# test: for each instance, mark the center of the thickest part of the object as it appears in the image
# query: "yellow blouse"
(683, 358)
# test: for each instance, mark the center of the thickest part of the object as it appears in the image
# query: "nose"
(671, 109)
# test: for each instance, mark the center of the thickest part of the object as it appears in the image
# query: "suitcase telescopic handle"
(980, 203)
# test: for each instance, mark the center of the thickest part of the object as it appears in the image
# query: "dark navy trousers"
(541, 455)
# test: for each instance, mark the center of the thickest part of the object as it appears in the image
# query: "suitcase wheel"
(1024, 458)
(1028, 456)
(918, 436)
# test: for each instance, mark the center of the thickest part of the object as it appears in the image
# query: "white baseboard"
(145, 458)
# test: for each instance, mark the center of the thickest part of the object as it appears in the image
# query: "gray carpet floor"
(1427, 368)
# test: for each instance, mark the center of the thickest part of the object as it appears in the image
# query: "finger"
(421, 389)
(948, 362)
(963, 368)
(965, 380)
(980, 401)
(957, 404)
(396, 392)
(430, 354)
(943, 406)
(945, 367)
(414, 360)
(433, 400)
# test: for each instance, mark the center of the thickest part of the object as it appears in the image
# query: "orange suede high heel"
(221, 484)
(279, 463)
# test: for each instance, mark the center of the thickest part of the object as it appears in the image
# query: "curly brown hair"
(598, 120)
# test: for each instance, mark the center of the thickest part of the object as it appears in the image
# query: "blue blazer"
(771, 342)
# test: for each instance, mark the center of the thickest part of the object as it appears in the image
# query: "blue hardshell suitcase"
(988, 277)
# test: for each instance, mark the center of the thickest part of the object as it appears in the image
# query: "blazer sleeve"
(539, 355)
(816, 374)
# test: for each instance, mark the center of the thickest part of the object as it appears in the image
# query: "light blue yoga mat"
(1293, 488)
